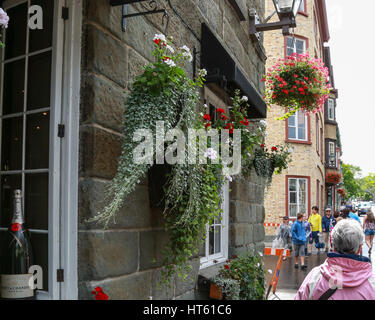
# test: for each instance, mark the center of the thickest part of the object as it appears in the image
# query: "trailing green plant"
(248, 270)
(230, 288)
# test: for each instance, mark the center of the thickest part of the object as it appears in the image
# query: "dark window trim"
(327, 141)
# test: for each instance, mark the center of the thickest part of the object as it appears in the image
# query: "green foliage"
(230, 288)
(351, 181)
(368, 187)
(248, 270)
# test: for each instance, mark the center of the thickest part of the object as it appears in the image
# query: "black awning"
(222, 68)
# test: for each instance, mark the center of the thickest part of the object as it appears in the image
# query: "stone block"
(258, 232)
(242, 212)
(106, 55)
(104, 103)
(161, 291)
(134, 213)
(152, 244)
(107, 254)
(99, 152)
(189, 283)
(240, 234)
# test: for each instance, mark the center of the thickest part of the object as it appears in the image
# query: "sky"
(352, 43)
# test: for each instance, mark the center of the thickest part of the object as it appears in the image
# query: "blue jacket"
(328, 223)
(298, 233)
(354, 216)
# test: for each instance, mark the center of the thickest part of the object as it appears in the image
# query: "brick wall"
(125, 260)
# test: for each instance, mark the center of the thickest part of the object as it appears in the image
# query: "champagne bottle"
(16, 257)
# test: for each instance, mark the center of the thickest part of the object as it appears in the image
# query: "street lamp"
(285, 9)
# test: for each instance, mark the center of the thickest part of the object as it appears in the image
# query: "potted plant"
(298, 82)
(244, 272)
(333, 177)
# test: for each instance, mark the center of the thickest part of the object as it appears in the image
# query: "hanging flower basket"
(298, 82)
(341, 192)
(264, 167)
(333, 177)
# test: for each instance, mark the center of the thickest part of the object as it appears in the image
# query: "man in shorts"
(299, 240)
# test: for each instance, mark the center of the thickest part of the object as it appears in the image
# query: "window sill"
(303, 13)
(298, 142)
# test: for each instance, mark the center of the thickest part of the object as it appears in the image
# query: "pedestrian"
(369, 227)
(344, 213)
(299, 241)
(285, 233)
(352, 214)
(345, 275)
(327, 226)
(307, 226)
(316, 229)
(335, 216)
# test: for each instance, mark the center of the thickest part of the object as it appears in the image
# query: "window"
(297, 196)
(317, 132)
(332, 154)
(297, 127)
(295, 45)
(302, 7)
(321, 145)
(317, 192)
(216, 245)
(331, 110)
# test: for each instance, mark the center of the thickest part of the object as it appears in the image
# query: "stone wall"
(125, 260)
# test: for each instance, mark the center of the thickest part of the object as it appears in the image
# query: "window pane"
(37, 141)
(293, 197)
(292, 120)
(302, 6)
(302, 196)
(301, 126)
(289, 42)
(11, 149)
(211, 241)
(292, 210)
(14, 84)
(42, 38)
(218, 239)
(36, 200)
(39, 243)
(9, 183)
(289, 51)
(292, 185)
(15, 44)
(39, 81)
(300, 46)
(292, 133)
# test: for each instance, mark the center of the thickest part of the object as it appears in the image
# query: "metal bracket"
(153, 8)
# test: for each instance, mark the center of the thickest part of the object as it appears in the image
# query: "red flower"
(274, 149)
(220, 110)
(157, 41)
(245, 122)
(207, 125)
(262, 146)
(295, 76)
(16, 227)
(226, 267)
(234, 256)
(99, 294)
(224, 117)
(207, 117)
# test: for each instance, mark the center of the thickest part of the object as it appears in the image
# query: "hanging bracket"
(153, 7)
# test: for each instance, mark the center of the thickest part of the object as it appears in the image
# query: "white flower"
(263, 123)
(245, 99)
(170, 62)
(265, 133)
(188, 56)
(185, 48)
(258, 264)
(203, 72)
(269, 271)
(229, 178)
(261, 254)
(211, 154)
(205, 105)
(160, 37)
(4, 18)
(170, 48)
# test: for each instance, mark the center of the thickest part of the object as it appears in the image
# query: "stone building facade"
(90, 65)
(302, 185)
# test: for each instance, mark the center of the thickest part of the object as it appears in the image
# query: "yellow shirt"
(316, 221)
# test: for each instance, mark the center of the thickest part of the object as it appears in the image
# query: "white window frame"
(296, 127)
(208, 260)
(63, 153)
(332, 153)
(297, 196)
(294, 49)
(331, 109)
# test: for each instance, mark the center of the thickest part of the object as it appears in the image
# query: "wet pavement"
(290, 279)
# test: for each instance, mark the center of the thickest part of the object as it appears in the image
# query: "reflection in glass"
(13, 89)
(9, 183)
(217, 239)
(211, 241)
(37, 141)
(39, 81)
(40, 248)
(11, 149)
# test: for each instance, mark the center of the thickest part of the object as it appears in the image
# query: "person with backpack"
(327, 225)
(345, 274)
(369, 228)
(284, 233)
(299, 241)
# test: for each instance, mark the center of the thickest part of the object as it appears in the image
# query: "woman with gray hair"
(345, 275)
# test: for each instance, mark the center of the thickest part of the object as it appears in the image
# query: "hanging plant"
(333, 177)
(298, 82)
(267, 162)
(4, 19)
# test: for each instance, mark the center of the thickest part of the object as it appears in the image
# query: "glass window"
(297, 126)
(297, 197)
(331, 109)
(332, 154)
(302, 6)
(295, 45)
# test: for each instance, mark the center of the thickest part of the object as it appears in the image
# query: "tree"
(368, 185)
(351, 180)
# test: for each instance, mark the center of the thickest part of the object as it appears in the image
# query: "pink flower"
(4, 18)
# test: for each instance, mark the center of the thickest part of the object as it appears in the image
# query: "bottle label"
(15, 286)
